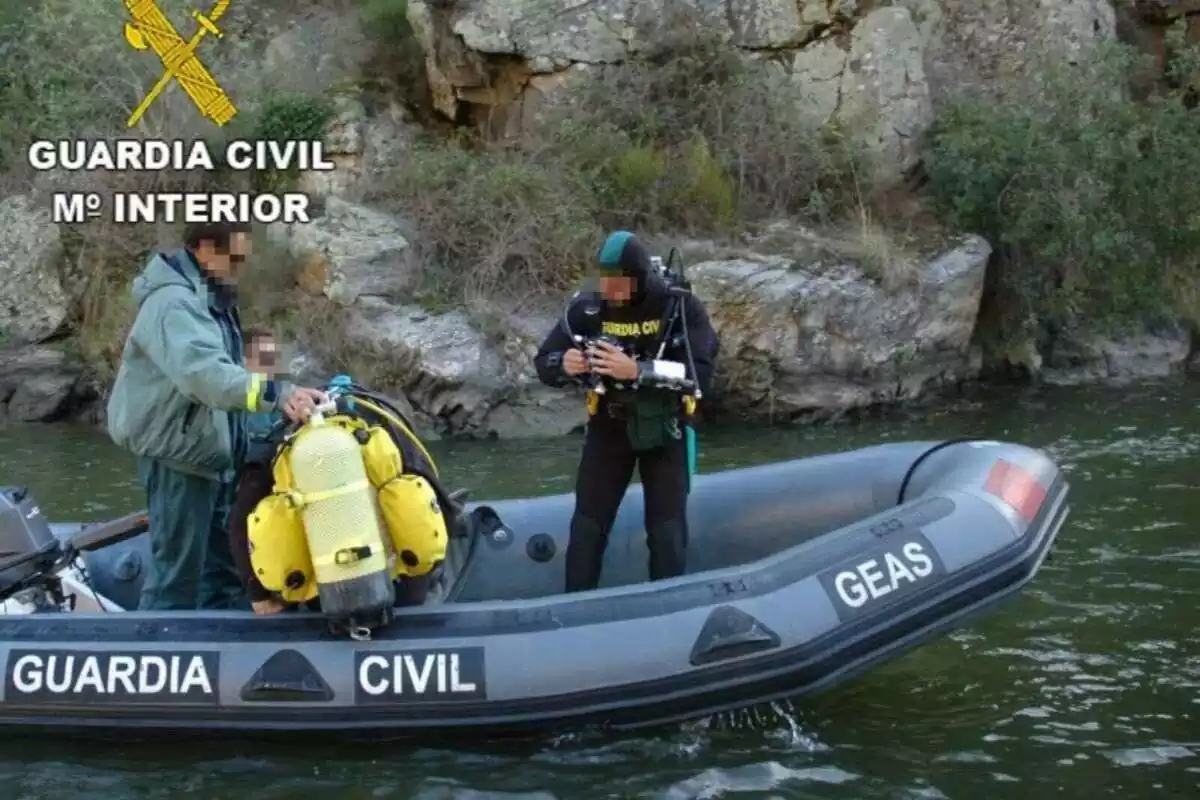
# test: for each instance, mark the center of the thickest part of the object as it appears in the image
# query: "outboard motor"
(28, 547)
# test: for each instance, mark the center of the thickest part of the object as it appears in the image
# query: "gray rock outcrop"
(350, 251)
(813, 327)
(1160, 353)
(33, 305)
(38, 384)
(813, 333)
(461, 379)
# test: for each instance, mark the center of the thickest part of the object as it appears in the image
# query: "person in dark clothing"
(630, 423)
(178, 403)
(254, 476)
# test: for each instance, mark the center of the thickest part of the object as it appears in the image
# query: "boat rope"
(78, 564)
(913, 467)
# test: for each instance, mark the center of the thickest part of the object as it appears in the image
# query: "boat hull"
(803, 574)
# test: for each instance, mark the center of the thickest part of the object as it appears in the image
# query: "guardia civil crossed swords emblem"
(151, 28)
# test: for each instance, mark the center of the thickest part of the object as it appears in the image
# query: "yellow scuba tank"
(346, 538)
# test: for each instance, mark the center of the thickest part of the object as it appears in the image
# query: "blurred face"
(262, 355)
(617, 288)
(225, 266)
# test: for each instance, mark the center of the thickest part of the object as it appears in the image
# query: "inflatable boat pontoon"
(802, 574)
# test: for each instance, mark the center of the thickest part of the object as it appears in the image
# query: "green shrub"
(293, 117)
(1089, 196)
(647, 185)
(396, 63)
(58, 65)
(267, 289)
(285, 117)
(704, 191)
(496, 224)
(706, 108)
(105, 320)
(623, 177)
(386, 19)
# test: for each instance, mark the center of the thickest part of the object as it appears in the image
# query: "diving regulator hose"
(388, 412)
(682, 292)
(377, 404)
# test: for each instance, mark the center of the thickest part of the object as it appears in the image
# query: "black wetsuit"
(614, 443)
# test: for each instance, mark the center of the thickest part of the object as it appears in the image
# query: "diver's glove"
(557, 362)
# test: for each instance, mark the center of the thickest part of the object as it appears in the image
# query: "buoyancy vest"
(653, 416)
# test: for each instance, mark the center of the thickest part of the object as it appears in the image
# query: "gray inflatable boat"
(802, 574)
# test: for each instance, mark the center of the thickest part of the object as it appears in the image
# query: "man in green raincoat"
(179, 403)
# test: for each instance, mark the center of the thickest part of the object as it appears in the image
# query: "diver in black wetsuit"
(634, 325)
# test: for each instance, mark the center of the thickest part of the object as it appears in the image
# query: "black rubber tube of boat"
(920, 459)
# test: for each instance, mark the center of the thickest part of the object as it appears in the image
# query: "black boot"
(585, 554)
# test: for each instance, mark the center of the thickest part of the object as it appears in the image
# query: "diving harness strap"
(347, 555)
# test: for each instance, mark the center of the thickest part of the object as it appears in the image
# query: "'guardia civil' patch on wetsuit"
(631, 330)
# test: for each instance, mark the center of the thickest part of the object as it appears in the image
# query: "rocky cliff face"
(810, 326)
(37, 382)
(807, 330)
(878, 70)
(33, 304)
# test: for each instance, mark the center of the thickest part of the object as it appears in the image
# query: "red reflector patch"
(1016, 488)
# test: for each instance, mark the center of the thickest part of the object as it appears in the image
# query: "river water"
(1084, 686)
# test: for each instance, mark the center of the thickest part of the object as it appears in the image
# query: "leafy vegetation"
(289, 118)
(699, 143)
(396, 66)
(1089, 195)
